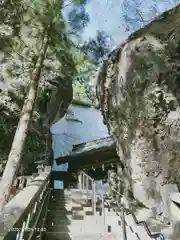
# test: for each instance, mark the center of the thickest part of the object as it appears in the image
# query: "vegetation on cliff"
(138, 91)
(38, 65)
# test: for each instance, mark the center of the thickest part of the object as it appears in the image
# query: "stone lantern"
(40, 168)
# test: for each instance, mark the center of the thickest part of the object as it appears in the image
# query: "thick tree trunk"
(16, 151)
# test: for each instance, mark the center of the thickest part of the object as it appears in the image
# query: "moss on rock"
(138, 91)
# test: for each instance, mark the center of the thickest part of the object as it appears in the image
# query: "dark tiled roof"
(93, 145)
(89, 148)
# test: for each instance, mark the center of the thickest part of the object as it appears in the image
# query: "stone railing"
(171, 199)
(87, 185)
(85, 182)
(120, 211)
(22, 217)
(2, 166)
(175, 206)
(23, 181)
(20, 183)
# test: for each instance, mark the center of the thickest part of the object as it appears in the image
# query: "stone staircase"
(40, 212)
(71, 217)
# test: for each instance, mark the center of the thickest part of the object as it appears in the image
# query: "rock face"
(52, 102)
(138, 91)
(20, 47)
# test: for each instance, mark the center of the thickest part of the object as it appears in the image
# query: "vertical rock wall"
(138, 90)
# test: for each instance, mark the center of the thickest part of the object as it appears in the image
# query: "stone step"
(56, 199)
(82, 198)
(59, 208)
(64, 203)
(59, 212)
(69, 207)
(104, 236)
(66, 220)
(76, 190)
(86, 205)
(55, 236)
(101, 211)
(69, 221)
(60, 197)
(88, 212)
(111, 214)
(73, 216)
(72, 200)
(59, 194)
(71, 192)
(76, 228)
(60, 201)
(67, 236)
(95, 217)
(77, 217)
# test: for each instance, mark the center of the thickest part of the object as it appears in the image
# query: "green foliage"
(80, 2)
(22, 40)
(79, 92)
(88, 58)
(23, 27)
(78, 18)
(81, 88)
(97, 48)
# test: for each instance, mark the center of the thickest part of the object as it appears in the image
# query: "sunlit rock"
(138, 90)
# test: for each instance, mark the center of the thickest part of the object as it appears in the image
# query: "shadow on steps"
(61, 212)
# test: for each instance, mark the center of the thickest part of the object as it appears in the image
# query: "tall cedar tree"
(41, 34)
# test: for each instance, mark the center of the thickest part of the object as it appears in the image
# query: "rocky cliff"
(138, 90)
(52, 102)
(22, 32)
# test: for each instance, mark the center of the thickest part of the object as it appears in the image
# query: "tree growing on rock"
(41, 39)
(98, 47)
(78, 18)
(92, 53)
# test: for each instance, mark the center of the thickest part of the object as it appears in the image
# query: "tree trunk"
(17, 147)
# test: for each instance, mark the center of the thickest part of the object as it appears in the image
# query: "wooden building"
(93, 157)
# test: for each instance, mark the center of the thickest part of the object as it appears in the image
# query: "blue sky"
(106, 15)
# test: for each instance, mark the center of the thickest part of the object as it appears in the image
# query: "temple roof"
(91, 154)
(102, 143)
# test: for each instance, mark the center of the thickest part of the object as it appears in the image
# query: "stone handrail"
(20, 183)
(84, 179)
(19, 218)
(143, 223)
(23, 181)
(117, 213)
(175, 206)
